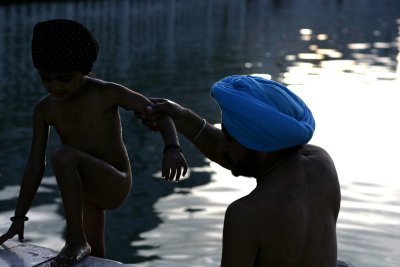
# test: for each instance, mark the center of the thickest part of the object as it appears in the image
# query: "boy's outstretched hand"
(174, 163)
(16, 228)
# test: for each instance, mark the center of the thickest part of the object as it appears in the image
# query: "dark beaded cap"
(63, 45)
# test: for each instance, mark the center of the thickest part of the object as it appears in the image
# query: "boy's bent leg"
(103, 185)
(70, 186)
(80, 176)
(93, 225)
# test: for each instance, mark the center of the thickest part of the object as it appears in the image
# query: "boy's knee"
(63, 156)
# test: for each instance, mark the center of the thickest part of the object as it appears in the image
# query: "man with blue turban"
(289, 219)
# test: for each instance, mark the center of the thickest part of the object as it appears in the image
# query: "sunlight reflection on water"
(355, 103)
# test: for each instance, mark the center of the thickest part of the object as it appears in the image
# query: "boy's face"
(62, 84)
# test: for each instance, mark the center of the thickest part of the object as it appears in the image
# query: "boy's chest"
(74, 115)
(79, 121)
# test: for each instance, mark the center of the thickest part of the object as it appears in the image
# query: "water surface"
(342, 57)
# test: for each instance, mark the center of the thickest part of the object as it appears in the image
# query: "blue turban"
(261, 114)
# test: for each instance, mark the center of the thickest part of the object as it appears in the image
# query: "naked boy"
(91, 165)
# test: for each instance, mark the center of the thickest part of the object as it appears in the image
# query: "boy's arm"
(34, 169)
(131, 100)
(32, 175)
(174, 162)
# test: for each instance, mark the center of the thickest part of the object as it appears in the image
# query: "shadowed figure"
(289, 219)
(91, 165)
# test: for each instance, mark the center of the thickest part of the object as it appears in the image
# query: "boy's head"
(61, 45)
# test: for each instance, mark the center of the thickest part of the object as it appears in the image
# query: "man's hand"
(16, 228)
(160, 105)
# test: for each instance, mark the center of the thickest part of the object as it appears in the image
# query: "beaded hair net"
(63, 45)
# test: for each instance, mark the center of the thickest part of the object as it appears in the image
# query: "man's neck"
(273, 162)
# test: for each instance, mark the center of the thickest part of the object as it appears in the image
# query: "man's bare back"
(289, 217)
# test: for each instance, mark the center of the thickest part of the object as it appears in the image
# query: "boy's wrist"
(172, 146)
(19, 218)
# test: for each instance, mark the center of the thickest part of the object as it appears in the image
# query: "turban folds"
(261, 114)
(63, 45)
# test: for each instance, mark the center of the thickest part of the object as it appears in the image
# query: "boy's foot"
(70, 255)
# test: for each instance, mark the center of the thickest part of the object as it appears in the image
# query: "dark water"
(340, 56)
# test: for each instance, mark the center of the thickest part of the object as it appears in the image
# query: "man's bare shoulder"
(250, 209)
(322, 177)
(240, 206)
(268, 217)
(319, 159)
(314, 150)
(243, 214)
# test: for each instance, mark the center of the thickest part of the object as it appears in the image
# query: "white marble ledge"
(16, 254)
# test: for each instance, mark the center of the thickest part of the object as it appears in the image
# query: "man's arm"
(207, 139)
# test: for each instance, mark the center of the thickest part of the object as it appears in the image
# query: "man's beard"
(245, 167)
